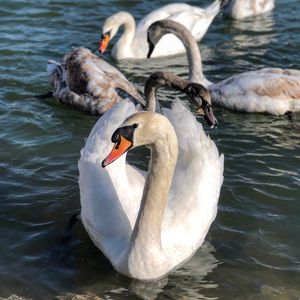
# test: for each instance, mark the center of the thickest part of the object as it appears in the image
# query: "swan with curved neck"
(197, 94)
(270, 90)
(133, 41)
(145, 251)
(149, 226)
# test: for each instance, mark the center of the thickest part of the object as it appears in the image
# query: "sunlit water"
(252, 249)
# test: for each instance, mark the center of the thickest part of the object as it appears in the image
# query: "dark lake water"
(252, 250)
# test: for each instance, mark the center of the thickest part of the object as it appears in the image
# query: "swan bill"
(151, 47)
(104, 42)
(120, 147)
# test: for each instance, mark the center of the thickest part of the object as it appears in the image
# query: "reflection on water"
(252, 249)
(262, 25)
(187, 282)
(254, 35)
(248, 42)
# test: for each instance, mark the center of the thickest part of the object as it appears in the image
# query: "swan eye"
(126, 132)
(206, 105)
(116, 136)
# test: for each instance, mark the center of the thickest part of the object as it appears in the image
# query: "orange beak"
(120, 147)
(104, 42)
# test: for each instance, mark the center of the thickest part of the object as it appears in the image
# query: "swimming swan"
(269, 90)
(87, 82)
(148, 225)
(133, 41)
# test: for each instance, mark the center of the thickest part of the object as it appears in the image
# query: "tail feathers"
(55, 68)
(52, 66)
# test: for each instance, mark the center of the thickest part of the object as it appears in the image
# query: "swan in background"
(133, 41)
(148, 226)
(88, 82)
(269, 90)
(239, 9)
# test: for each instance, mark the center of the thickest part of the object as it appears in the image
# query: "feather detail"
(88, 82)
(269, 90)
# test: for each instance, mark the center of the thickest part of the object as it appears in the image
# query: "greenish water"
(252, 249)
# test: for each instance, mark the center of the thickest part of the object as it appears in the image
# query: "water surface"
(252, 249)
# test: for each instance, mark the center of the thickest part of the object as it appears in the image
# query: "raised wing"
(109, 197)
(96, 80)
(198, 177)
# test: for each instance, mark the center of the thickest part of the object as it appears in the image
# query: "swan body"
(269, 90)
(88, 82)
(133, 42)
(111, 198)
(149, 224)
(239, 9)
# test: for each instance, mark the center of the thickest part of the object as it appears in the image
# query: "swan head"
(157, 30)
(110, 28)
(105, 38)
(197, 94)
(200, 97)
(154, 34)
(140, 129)
(57, 75)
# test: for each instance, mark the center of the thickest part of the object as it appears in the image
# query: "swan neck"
(150, 95)
(160, 79)
(124, 44)
(192, 51)
(164, 153)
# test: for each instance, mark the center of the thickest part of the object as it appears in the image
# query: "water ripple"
(252, 249)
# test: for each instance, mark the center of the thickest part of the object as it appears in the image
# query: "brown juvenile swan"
(269, 90)
(87, 82)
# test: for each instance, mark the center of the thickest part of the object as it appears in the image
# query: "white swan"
(239, 9)
(133, 42)
(148, 226)
(88, 82)
(270, 90)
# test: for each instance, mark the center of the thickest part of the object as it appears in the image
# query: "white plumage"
(133, 42)
(239, 9)
(110, 197)
(272, 90)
